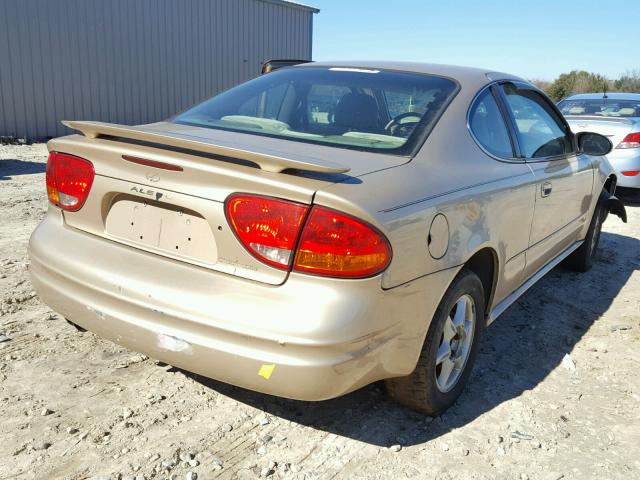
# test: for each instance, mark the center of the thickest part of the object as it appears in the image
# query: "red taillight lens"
(331, 243)
(69, 180)
(630, 173)
(267, 227)
(630, 141)
(338, 245)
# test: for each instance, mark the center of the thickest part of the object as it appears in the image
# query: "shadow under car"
(517, 353)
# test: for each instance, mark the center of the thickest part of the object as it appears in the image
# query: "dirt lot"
(75, 406)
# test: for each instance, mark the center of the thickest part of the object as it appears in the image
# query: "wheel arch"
(484, 263)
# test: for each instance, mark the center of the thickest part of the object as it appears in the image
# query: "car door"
(564, 179)
(491, 129)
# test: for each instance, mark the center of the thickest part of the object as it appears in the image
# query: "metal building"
(134, 61)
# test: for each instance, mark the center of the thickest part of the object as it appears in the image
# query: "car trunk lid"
(161, 188)
(614, 128)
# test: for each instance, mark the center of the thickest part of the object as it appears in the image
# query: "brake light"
(267, 227)
(152, 163)
(630, 141)
(329, 243)
(69, 180)
(338, 245)
(630, 173)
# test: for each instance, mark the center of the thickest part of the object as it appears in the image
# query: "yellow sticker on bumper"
(266, 371)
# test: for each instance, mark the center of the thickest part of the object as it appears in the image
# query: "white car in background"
(617, 116)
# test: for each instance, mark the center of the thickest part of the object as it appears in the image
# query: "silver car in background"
(617, 116)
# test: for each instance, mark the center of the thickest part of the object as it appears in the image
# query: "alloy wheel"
(455, 343)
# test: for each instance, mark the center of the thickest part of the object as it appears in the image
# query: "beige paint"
(226, 315)
(172, 232)
(182, 137)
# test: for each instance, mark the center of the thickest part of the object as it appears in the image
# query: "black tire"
(582, 259)
(419, 391)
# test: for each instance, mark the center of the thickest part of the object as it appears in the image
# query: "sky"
(532, 39)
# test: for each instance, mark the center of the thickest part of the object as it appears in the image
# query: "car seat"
(357, 112)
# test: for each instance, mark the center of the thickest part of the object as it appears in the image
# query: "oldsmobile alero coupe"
(322, 226)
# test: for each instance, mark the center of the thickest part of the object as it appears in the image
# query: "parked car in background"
(616, 116)
(323, 226)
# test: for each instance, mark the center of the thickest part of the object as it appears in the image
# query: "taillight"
(329, 243)
(630, 173)
(267, 227)
(69, 179)
(338, 245)
(630, 141)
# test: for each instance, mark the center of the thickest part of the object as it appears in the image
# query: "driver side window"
(540, 132)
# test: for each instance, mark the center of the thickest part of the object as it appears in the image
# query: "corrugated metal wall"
(133, 61)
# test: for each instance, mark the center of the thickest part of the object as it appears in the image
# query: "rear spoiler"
(270, 161)
(603, 118)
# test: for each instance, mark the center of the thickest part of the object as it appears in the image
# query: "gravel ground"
(555, 392)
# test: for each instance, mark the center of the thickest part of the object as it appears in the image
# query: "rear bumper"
(624, 160)
(324, 337)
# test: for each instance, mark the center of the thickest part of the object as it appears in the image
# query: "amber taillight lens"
(338, 245)
(69, 180)
(320, 241)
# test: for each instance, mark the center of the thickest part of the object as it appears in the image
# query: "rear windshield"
(602, 107)
(371, 110)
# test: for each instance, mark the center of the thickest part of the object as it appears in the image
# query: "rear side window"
(540, 131)
(487, 125)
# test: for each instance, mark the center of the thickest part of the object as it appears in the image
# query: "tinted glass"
(487, 125)
(601, 107)
(540, 131)
(352, 108)
(323, 100)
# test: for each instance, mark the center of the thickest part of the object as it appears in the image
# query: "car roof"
(600, 95)
(459, 73)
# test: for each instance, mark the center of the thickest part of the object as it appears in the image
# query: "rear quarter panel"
(487, 203)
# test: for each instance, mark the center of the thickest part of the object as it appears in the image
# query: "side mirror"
(593, 144)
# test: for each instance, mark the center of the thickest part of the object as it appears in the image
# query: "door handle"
(545, 189)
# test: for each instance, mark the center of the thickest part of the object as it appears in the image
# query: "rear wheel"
(582, 259)
(449, 350)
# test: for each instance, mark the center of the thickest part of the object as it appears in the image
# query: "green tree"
(541, 84)
(577, 81)
(629, 82)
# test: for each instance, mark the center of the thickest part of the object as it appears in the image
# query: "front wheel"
(449, 350)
